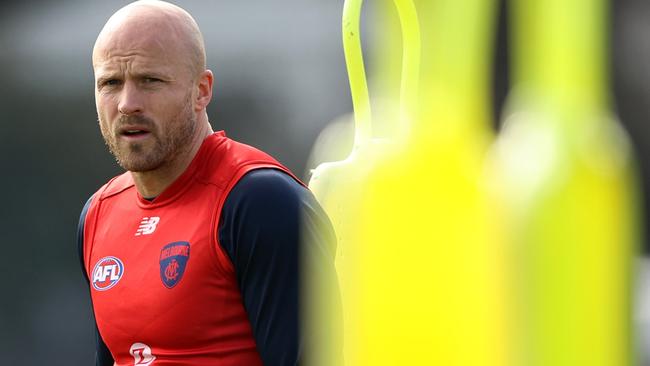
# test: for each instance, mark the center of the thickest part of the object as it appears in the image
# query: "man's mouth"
(134, 133)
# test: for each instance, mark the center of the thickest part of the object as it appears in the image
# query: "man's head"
(151, 84)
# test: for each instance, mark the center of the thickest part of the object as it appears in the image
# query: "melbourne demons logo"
(173, 259)
(107, 273)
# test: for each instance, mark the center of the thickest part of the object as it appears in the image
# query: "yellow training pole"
(340, 185)
(565, 169)
(431, 263)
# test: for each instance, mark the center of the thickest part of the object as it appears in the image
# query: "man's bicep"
(281, 242)
(260, 231)
(103, 356)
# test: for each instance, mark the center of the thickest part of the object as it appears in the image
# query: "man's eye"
(109, 82)
(152, 80)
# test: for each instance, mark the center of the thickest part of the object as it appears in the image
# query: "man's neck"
(152, 183)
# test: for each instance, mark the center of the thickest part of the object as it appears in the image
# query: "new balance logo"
(147, 225)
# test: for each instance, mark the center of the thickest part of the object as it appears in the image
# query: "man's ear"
(204, 95)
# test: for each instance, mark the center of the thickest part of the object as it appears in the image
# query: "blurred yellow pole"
(339, 185)
(356, 71)
(565, 169)
(560, 50)
(457, 50)
(431, 267)
(385, 69)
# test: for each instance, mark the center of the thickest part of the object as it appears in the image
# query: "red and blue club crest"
(107, 272)
(173, 260)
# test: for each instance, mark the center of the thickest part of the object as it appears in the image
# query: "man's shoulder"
(227, 160)
(224, 151)
(115, 186)
(268, 186)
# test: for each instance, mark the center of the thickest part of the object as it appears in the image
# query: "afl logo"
(107, 273)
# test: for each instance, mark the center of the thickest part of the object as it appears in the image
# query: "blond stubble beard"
(133, 156)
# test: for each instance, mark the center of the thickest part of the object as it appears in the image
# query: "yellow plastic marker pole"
(457, 48)
(385, 74)
(431, 270)
(565, 168)
(356, 71)
(339, 185)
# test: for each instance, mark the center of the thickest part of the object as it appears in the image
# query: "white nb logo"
(141, 354)
(147, 225)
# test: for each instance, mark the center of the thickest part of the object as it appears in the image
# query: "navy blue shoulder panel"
(266, 221)
(80, 237)
(103, 356)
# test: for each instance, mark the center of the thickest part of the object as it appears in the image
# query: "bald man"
(193, 255)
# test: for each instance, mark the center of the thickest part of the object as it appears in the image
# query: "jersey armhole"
(223, 260)
(80, 238)
(90, 225)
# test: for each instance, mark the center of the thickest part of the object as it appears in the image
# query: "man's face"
(143, 94)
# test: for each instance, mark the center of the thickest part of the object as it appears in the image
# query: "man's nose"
(130, 99)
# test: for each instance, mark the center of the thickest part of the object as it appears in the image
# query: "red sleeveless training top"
(163, 290)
